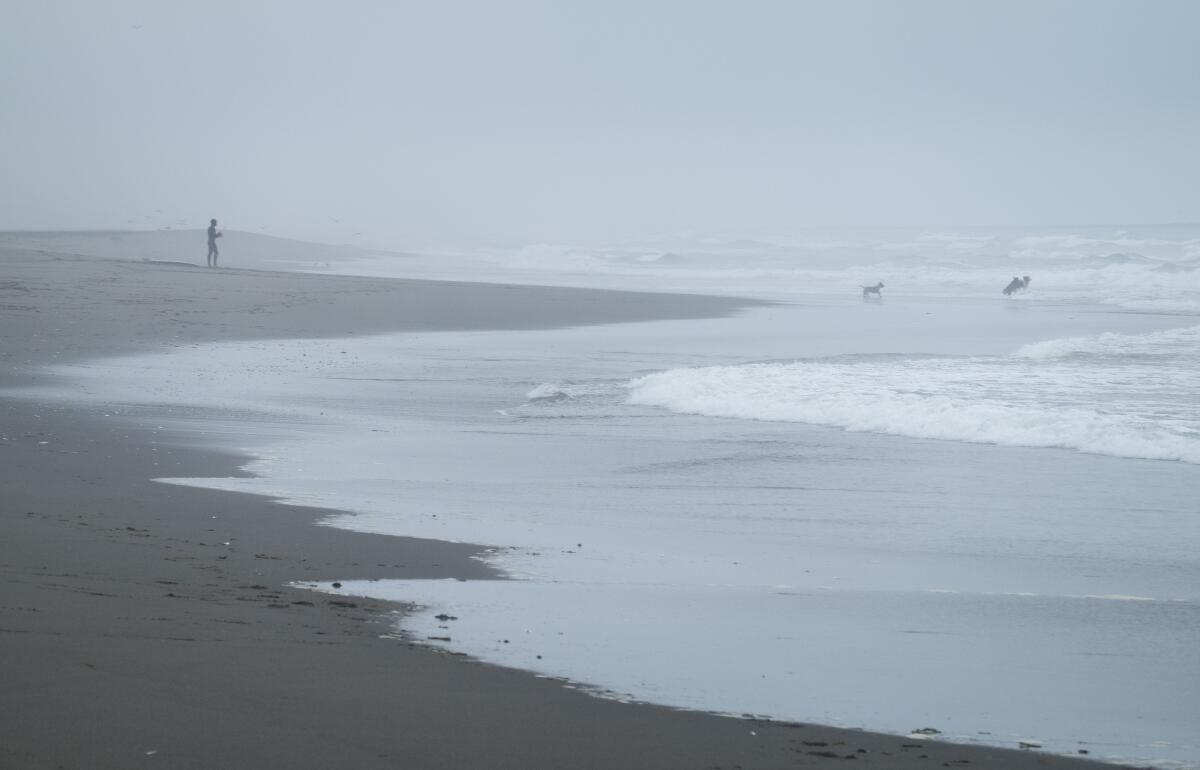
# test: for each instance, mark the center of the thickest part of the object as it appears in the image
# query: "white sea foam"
(1042, 396)
(547, 390)
(555, 391)
(1172, 342)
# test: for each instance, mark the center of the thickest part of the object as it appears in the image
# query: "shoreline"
(118, 590)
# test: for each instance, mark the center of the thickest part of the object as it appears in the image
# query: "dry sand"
(149, 625)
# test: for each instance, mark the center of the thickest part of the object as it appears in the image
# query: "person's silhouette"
(213, 235)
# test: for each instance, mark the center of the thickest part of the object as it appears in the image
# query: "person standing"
(213, 235)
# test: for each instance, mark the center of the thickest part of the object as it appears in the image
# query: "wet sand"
(144, 624)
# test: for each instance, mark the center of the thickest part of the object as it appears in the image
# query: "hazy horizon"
(403, 125)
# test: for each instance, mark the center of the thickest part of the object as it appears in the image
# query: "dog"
(869, 290)
(1017, 284)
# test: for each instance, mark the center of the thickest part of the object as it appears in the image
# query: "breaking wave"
(559, 391)
(1112, 394)
(1172, 342)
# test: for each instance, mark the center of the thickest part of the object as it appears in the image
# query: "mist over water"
(1144, 267)
(415, 125)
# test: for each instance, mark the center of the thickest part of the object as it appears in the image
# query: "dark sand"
(132, 635)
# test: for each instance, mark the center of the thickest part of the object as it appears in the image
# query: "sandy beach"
(145, 624)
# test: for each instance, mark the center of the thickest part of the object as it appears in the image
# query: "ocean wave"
(1073, 241)
(1033, 399)
(562, 391)
(1172, 342)
(548, 391)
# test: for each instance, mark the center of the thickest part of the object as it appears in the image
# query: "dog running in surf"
(1016, 285)
(869, 290)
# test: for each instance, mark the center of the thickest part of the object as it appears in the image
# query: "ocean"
(942, 508)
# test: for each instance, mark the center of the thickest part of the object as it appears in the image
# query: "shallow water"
(745, 560)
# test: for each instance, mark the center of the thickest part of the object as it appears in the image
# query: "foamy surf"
(560, 391)
(1154, 268)
(1113, 394)
(1171, 342)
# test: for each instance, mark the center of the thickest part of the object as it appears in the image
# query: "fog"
(409, 124)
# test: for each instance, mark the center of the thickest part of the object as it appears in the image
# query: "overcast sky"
(397, 123)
